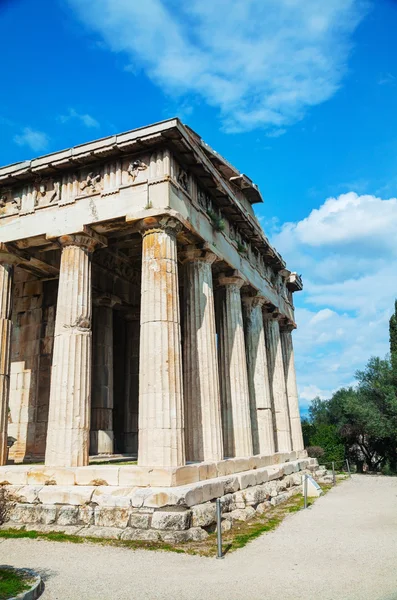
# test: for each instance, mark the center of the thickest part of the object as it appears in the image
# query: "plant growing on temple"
(217, 222)
(241, 248)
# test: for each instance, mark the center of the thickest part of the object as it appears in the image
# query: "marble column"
(292, 388)
(203, 425)
(131, 385)
(277, 383)
(101, 433)
(236, 419)
(6, 275)
(161, 419)
(70, 393)
(258, 376)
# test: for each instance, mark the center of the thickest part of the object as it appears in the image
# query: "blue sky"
(299, 94)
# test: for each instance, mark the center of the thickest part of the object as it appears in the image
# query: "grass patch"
(241, 534)
(12, 583)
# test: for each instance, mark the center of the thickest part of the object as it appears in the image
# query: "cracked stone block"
(139, 520)
(203, 514)
(171, 520)
(106, 516)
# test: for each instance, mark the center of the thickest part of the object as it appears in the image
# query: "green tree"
(393, 344)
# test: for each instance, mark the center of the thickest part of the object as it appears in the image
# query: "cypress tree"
(393, 343)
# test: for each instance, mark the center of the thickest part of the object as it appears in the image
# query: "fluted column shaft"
(292, 389)
(101, 434)
(277, 384)
(6, 276)
(161, 419)
(236, 420)
(258, 377)
(70, 392)
(131, 387)
(201, 380)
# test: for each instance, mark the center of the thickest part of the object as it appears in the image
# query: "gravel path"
(342, 548)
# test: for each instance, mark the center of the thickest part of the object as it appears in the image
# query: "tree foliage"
(359, 423)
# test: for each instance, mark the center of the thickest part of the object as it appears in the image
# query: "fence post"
(305, 491)
(333, 473)
(348, 467)
(219, 528)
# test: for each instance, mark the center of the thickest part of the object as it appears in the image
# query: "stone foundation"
(168, 514)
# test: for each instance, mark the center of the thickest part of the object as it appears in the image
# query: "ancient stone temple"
(143, 312)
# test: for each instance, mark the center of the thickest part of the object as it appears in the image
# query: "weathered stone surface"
(161, 439)
(33, 513)
(241, 514)
(145, 535)
(226, 525)
(140, 520)
(171, 520)
(236, 420)
(292, 388)
(255, 495)
(203, 514)
(280, 498)
(86, 515)
(277, 384)
(196, 534)
(6, 278)
(27, 493)
(90, 475)
(201, 381)
(174, 537)
(231, 484)
(111, 533)
(57, 494)
(111, 516)
(258, 377)
(263, 507)
(69, 411)
(108, 496)
(68, 515)
(247, 479)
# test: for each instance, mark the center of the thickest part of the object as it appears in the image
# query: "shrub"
(315, 451)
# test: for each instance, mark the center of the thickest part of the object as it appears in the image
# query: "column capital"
(287, 327)
(7, 257)
(108, 300)
(163, 223)
(193, 253)
(86, 238)
(235, 279)
(253, 301)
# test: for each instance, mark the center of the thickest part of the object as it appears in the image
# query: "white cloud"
(261, 62)
(36, 140)
(85, 119)
(347, 252)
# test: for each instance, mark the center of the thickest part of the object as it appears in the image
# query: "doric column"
(277, 383)
(6, 273)
(161, 422)
(70, 393)
(258, 376)
(236, 420)
(131, 384)
(101, 434)
(292, 388)
(203, 426)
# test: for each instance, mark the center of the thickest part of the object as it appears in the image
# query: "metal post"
(333, 473)
(348, 467)
(219, 528)
(305, 491)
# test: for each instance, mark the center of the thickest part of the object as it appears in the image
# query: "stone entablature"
(101, 187)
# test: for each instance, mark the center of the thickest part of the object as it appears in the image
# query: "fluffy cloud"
(85, 118)
(261, 62)
(347, 252)
(34, 139)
